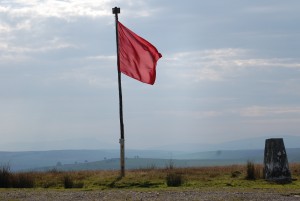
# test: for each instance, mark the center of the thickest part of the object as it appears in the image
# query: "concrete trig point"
(276, 166)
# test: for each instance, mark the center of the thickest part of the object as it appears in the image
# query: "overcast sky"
(230, 70)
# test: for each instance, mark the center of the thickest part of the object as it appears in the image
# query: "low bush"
(23, 180)
(68, 181)
(5, 177)
(235, 174)
(250, 171)
(15, 180)
(174, 179)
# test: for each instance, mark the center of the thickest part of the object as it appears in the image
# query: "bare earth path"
(163, 195)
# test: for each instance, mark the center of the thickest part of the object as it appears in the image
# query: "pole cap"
(116, 10)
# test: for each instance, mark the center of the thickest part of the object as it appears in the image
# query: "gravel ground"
(174, 195)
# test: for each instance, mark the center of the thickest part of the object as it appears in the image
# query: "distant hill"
(139, 163)
(35, 159)
(108, 159)
(238, 151)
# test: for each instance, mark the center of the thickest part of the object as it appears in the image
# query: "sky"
(230, 70)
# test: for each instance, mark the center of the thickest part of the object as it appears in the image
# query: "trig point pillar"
(276, 166)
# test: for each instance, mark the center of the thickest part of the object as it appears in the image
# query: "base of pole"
(122, 157)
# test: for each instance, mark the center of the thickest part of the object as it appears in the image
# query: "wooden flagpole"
(116, 11)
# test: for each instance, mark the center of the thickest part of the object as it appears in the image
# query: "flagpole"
(116, 11)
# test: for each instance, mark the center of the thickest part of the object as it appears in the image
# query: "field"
(223, 179)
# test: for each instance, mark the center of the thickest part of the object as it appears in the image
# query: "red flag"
(137, 56)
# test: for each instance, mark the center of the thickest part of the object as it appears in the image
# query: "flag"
(137, 56)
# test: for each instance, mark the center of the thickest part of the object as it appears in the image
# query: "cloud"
(262, 111)
(4, 28)
(54, 44)
(191, 114)
(222, 64)
(279, 7)
(59, 9)
(102, 58)
(88, 76)
(72, 10)
(42, 23)
(259, 114)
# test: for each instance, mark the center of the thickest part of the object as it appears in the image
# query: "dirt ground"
(163, 195)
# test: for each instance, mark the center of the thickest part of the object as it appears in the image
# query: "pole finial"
(116, 10)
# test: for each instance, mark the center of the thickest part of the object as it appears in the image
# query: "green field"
(232, 176)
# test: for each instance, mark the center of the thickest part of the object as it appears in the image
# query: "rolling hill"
(234, 152)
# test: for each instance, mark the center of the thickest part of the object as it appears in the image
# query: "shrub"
(23, 180)
(68, 182)
(5, 177)
(174, 179)
(250, 171)
(16, 180)
(235, 174)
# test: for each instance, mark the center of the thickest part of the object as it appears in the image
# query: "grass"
(233, 176)
(10, 180)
